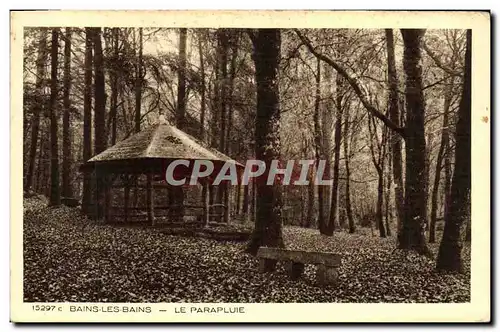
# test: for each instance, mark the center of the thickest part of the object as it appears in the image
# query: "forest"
(388, 110)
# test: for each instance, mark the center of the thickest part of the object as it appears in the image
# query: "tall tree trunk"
(99, 95)
(55, 195)
(412, 235)
(67, 188)
(318, 150)
(87, 120)
(138, 101)
(268, 224)
(177, 193)
(388, 207)
(138, 86)
(394, 115)
(336, 163)
(348, 207)
(439, 162)
(113, 109)
(181, 86)
(310, 201)
(38, 107)
(41, 163)
(203, 102)
(99, 115)
(447, 171)
(450, 249)
(380, 202)
(223, 49)
(377, 150)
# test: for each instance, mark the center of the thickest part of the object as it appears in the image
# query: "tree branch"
(438, 61)
(358, 89)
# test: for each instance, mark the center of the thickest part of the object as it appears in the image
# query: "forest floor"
(69, 258)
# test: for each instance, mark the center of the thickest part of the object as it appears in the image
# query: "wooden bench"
(327, 264)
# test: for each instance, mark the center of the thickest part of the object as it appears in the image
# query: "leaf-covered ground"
(68, 258)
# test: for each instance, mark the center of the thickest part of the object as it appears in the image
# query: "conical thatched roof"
(160, 143)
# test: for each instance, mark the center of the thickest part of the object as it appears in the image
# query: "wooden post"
(126, 198)
(150, 199)
(206, 206)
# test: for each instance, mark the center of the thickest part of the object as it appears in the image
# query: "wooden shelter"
(149, 153)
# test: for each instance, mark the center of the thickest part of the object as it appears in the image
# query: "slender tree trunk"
(202, 87)
(222, 92)
(38, 107)
(87, 120)
(181, 86)
(318, 150)
(180, 116)
(99, 95)
(394, 115)
(67, 189)
(380, 202)
(378, 153)
(138, 86)
(41, 163)
(412, 235)
(388, 207)
(114, 88)
(439, 163)
(310, 202)
(348, 206)
(427, 174)
(55, 195)
(99, 115)
(337, 141)
(450, 249)
(268, 224)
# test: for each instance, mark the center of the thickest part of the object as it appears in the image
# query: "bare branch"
(438, 61)
(354, 84)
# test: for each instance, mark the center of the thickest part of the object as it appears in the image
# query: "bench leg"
(295, 270)
(267, 265)
(326, 275)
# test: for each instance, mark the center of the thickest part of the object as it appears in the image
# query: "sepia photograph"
(229, 165)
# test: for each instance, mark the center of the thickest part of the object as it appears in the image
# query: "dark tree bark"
(99, 116)
(450, 249)
(67, 188)
(397, 159)
(310, 201)
(412, 235)
(38, 107)
(99, 95)
(348, 207)
(181, 86)
(336, 151)
(439, 162)
(138, 86)
(268, 224)
(318, 149)
(177, 193)
(55, 194)
(87, 119)
(203, 102)
(113, 108)
(388, 176)
(377, 150)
